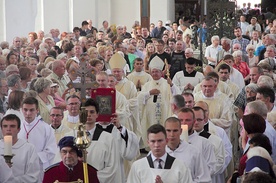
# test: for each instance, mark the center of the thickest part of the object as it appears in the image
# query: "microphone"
(154, 98)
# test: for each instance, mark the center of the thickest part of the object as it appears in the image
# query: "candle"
(8, 145)
(184, 132)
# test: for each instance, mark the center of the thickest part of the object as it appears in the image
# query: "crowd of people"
(226, 102)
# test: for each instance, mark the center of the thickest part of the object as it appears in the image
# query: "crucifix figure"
(83, 72)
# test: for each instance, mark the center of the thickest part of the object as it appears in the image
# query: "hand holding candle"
(184, 134)
(8, 145)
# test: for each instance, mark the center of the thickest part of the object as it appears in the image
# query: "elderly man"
(226, 48)
(155, 93)
(212, 51)
(25, 167)
(56, 116)
(70, 168)
(221, 111)
(58, 69)
(158, 166)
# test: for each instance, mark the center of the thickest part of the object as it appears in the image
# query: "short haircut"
(197, 108)
(84, 23)
(92, 102)
(187, 94)
(160, 41)
(191, 61)
(25, 73)
(72, 96)
(224, 66)
(261, 140)
(138, 59)
(156, 128)
(174, 120)
(30, 101)
(212, 75)
(11, 117)
(57, 108)
(254, 123)
(171, 40)
(258, 107)
(267, 92)
(178, 100)
(228, 56)
(260, 70)
(187, 110)
(265, 80)
(41, 84)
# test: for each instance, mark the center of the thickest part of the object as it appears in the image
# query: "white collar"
(31, 123)
(73, 119)
(164, 157)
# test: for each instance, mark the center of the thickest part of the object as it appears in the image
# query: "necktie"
(159, 164)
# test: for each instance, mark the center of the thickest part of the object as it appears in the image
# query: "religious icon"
(106, 97)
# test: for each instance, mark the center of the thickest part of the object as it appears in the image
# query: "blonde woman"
(150, 49)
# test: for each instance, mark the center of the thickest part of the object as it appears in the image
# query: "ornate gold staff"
(83, 142)
(167, 68)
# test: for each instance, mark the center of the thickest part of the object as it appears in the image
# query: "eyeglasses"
(64, 152)
(76, 103)
(56, 115)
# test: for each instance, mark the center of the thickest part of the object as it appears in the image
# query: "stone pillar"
(162, 10)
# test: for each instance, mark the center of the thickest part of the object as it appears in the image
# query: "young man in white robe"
(218, 131)
(138, 76)
(187, 79)
(186, 152)
(25, 167)
(158, 166)
(187, 117)
(154, 99)
(215, 141)
(38, 133)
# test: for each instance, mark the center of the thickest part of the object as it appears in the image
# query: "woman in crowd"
(14, 103)
(252, 59)
(59, 100)
(12, 58)
(46, 102)
(32, 63)
(150, 49)
(25, 75)
(241, 65)
(32, 37)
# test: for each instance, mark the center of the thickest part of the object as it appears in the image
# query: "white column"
(162, 10)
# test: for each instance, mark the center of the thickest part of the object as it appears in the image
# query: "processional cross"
(83, 72)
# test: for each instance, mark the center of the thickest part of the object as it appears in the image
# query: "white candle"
(8, 145)
(184, 132)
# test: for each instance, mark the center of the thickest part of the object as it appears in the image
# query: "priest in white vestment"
(56, 116)
(71, 116)
(38, 133)
(128, 89)
(154, 99)
(158, 166)
(25, 167)
(220, 106)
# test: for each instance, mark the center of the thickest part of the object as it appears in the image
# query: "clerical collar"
(164, 157)
(176, 146)
(204, 97)
(73, 119)
(157, 81)
(192, 74)
(56, 127)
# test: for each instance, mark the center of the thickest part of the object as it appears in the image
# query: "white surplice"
(42, 137)
(142, 172)
(25, 167)
(193, 159)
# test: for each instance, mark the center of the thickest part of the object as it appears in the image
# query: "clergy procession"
(111, 106)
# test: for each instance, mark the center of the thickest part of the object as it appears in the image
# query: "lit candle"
(184, 132)
(8, 145)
